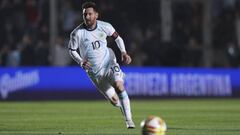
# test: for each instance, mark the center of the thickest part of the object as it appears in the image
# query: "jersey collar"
(90, 29)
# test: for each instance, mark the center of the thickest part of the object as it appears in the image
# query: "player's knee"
(119, 87)
(115, 101)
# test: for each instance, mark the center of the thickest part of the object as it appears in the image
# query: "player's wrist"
(124, 52)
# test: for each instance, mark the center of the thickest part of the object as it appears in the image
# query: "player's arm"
(73, 46)
(76, 57)
(83, 63)
(119, 41)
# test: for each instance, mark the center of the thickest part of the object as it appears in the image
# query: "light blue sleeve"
(73, 44)
(109, 29)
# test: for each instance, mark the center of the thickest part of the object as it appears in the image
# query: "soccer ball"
(153, 125)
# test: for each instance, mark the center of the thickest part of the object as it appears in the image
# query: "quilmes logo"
(19, 81)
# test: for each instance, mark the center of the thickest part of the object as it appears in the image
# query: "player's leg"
(111, 95)
(116, 79)
(125, 103)
(119, 99)
(106, 89)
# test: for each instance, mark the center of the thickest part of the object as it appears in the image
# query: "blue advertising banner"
(147, 81)
(43, 79)
(182, 82)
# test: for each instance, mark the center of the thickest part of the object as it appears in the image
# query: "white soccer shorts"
(107, 77)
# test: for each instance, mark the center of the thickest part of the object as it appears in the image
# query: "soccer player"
(99, 61)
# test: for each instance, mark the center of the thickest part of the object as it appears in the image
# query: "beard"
(89, 23)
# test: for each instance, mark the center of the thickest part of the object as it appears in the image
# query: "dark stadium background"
(184, 33)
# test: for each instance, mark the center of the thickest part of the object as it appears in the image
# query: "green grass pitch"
(183, 117)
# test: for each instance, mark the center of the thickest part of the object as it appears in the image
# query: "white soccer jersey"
(92, 44)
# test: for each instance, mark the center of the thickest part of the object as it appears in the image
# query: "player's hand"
(86, 65)
(126, 59)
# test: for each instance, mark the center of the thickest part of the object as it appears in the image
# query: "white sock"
(125, 105)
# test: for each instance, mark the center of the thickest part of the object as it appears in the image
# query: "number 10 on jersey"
(96, 45)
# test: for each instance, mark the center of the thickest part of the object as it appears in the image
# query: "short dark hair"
(90, 4)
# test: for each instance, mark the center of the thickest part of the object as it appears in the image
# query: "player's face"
(90, 16)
